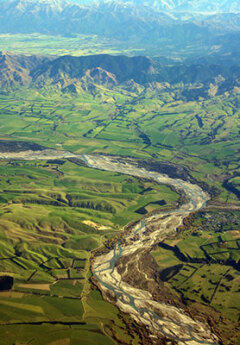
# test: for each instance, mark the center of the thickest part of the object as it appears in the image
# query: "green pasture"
(76, 45)
(45, 241)
(139, 125)
(46, 244)
(201, 263)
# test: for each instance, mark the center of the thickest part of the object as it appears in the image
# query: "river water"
(161, 320)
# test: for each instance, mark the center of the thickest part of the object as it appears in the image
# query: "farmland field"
(201, 264)
(119, 172)
(117, 122)
(55, 213)
(57, 45)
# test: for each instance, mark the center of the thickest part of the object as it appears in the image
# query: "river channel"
(160, 319)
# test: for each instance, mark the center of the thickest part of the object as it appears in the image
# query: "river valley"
(162, 320)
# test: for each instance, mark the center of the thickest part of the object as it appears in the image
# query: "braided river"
(161, 320)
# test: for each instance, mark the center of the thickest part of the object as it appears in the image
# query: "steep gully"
(162, 320)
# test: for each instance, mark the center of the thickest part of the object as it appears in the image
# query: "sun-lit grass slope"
(61, 186)
(202, 264)
(202, 135)
(53, 214)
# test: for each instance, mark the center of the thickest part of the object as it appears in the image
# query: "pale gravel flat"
(175, 323)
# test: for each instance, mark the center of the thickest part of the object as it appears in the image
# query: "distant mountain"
(15, 69)
(204, 6)
(133, 23)
(60, 17)
(118, 69)
(87, 73)
(118, 19)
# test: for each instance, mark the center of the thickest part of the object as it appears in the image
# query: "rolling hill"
(194, 78)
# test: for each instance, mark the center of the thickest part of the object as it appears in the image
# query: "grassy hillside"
(201, 264)
(202, 135)
(53, 214)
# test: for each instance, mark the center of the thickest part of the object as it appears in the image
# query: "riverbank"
(163, 321)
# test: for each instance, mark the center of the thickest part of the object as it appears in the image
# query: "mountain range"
(87, 73)
(175, 23)
(204, 6)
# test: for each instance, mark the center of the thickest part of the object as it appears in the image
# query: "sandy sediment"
(162, 320)
(36, 155)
